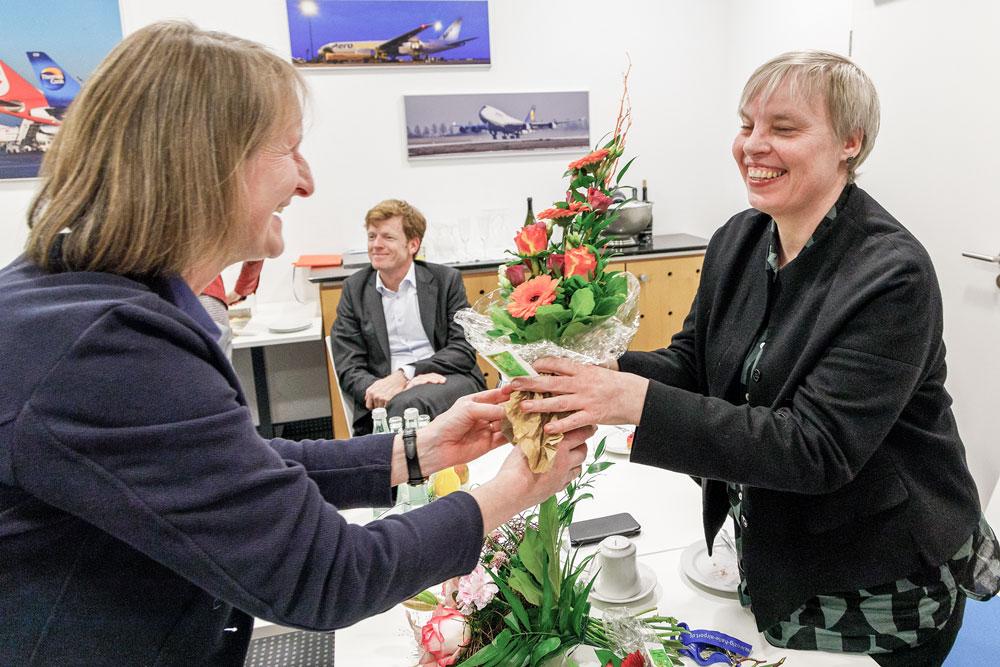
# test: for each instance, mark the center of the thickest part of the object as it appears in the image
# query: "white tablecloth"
(668, 507)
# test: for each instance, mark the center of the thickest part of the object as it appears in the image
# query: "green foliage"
(545, 606)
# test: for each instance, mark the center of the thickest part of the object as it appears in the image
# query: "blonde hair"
(851, 98)
(146, 171)
(414, 222)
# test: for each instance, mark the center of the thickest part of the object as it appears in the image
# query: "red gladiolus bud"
(532, 239)
(516, 274)
(579, 262)
(555, 262)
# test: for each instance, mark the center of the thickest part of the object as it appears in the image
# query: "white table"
(257, 335)
(668, 507)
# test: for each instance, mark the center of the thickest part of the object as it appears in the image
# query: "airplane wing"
(392, 46)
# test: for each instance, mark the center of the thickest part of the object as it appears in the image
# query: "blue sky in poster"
(362, 20)
(77, 34)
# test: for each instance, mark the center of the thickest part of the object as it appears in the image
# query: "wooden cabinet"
(668, 288)
(478, 285)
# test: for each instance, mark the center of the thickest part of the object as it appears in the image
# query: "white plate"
(647, 582)
(718, 572)
(288, 327)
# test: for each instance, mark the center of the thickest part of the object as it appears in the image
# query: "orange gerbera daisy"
(587, 160)
(555, 213)
(529, 295)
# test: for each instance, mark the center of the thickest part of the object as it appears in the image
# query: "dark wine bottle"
(644, 198)
(529, 219)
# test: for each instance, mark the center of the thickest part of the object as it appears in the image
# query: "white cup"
(618, 577)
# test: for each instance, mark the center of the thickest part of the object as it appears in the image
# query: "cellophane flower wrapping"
(605, 340)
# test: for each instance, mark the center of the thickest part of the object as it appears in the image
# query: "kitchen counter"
(661, 245)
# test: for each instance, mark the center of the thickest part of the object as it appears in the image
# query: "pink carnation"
(476, 590)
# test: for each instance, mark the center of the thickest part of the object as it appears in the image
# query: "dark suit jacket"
(856, 474)
(361, 340)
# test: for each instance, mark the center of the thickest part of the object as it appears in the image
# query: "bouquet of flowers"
(556, 296)
(521, 606)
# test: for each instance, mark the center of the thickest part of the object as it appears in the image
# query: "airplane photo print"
(495, 123)
(337, 33)
(47, 49)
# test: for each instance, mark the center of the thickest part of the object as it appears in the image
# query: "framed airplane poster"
(47, 49)
(394, 33)
(496, 123)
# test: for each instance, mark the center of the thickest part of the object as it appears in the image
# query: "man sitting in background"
(395, 341)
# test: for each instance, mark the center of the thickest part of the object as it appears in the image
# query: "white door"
(936, 167)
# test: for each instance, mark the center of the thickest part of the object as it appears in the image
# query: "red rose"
(579, 262)
(516, 274)
(598, 200)
(532, 239)
(555, 262)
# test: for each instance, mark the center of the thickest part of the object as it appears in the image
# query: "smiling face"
(389, 251)
(274, 174)
(791, 160)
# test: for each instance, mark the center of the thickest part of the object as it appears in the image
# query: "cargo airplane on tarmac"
(497, 122)
(407, 44)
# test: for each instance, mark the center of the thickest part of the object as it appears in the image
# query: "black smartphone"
(595, 530)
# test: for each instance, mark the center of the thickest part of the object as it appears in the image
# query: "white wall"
(936, 166)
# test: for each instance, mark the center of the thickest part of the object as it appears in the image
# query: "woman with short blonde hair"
(806, 391)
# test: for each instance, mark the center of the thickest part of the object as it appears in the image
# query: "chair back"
(345, 401)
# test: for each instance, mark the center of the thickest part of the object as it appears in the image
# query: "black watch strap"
(416, 477)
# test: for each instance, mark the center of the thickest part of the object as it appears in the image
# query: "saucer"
(718, 572)
(289, 327)
(647, 582)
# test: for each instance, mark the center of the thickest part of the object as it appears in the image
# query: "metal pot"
(633, 217)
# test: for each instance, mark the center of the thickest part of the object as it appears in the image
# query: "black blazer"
(855, 470)
(361, 340)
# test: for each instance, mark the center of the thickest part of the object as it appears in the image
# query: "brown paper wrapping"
(526, 431)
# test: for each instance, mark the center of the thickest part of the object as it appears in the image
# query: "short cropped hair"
(147, 170)
(414, 223)
(850, 96)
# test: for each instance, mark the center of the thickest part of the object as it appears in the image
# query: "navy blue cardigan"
(141, 516)
(856, 474)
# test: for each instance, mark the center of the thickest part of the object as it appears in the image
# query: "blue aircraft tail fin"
(55, 82)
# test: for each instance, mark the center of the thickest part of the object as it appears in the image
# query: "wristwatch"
(412, 462)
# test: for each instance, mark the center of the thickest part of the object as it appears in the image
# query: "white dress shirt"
(408, 341)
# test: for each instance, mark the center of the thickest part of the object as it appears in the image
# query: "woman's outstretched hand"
(591, 394)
